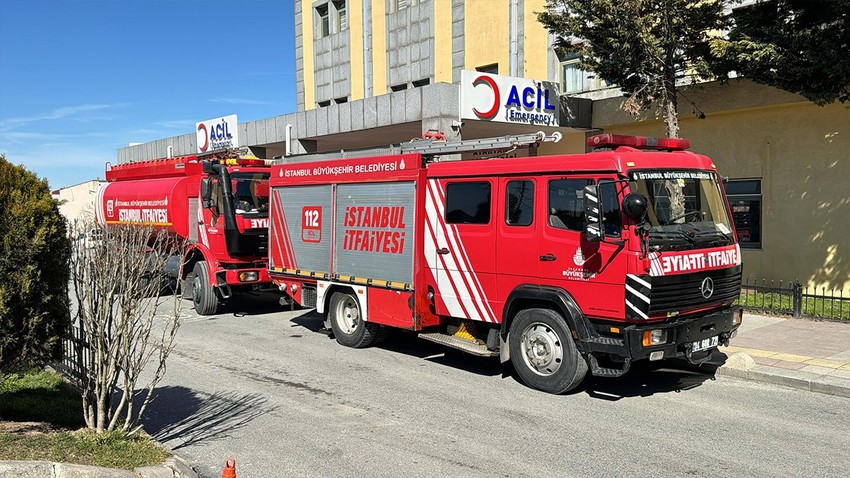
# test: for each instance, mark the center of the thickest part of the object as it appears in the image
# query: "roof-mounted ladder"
(431, 149)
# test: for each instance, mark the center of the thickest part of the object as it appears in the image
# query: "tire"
(203, 295)
(347, 322)
(543, 352)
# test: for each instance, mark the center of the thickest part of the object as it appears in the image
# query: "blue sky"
(81, 78)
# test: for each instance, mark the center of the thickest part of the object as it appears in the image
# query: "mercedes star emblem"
(707, 287)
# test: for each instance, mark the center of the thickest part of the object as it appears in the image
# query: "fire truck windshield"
(686, 209)
(250, 192)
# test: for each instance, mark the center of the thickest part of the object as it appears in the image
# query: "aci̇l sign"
(507, 99)
(218, 133)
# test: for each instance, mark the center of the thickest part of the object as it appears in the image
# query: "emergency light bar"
(640, 142)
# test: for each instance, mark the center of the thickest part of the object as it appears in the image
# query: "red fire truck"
(558, 264)
(217, 203)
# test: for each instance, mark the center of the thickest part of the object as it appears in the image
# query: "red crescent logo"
(206, 145)
(489, 114)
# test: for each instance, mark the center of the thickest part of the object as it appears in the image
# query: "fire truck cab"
(217, 204)
(560, 264)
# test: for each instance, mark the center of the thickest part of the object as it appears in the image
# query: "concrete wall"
(799, 151)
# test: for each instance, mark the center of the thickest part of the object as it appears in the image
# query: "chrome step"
(468, 346)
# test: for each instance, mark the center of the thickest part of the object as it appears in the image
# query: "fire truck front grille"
(679, 293)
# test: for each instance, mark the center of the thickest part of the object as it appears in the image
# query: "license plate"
(704, 344)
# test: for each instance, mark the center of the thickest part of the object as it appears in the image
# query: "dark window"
(745, 201)
(611, 216)
(519, 203)
(468, 203)
(341, 16)
(566, 203)
(322, 104)
(323, 25)
(492, 69)
(418, 83)
(341, 100)
(399, 87)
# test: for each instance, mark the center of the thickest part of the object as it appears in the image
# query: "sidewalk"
(800, 353)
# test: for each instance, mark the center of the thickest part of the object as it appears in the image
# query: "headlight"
(654, 337)
(249, 276)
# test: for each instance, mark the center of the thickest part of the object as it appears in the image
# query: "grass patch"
(40, 396)
(825, 307)
(111, 450)
(36, 403)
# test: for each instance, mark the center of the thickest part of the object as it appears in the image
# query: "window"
(399, 87)
(519, 203)
(323, 25)
(468, 203)
(745, 201)
(572, 76)
(566, 203)
(419, 83)
(322, 104)
(341, 16)
(397, 5)
(492, 69)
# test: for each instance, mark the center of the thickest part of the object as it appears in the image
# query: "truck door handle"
(442, 250)
(548, 258)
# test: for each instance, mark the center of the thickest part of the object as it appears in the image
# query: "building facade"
(377, 72)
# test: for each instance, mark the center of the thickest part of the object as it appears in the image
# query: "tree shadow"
(187, 417)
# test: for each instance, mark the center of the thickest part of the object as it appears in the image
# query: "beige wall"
(534, 41)
(486, 38)
(802, 154)
(77, 202)
(309, 69)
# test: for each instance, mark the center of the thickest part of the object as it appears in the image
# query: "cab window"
(519, 203)
(566, 203)
(468, 203)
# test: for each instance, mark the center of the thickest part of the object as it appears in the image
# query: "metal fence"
(77, 356)
(792, 298)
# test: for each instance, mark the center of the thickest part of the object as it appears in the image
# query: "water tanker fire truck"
(217, 204)
(559, 264)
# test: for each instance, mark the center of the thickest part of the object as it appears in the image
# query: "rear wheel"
(543, 352)
(203, 295)
(347, 322)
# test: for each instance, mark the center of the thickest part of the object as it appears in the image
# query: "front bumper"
(680, 337)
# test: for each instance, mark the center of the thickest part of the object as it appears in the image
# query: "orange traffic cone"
(229, 469)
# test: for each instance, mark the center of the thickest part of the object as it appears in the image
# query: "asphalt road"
(271, 390)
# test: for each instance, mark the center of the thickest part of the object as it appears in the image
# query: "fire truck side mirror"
(206, 192)
(593, 231)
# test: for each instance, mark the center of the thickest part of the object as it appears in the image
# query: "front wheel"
(347, 322)
(203, 296)
(543, 352)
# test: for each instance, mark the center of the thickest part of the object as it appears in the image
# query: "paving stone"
(26, 469)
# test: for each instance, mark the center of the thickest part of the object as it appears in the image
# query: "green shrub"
(33, 269)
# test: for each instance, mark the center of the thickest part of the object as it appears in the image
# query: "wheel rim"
(348, 315)
(542, 349)
(196, 289)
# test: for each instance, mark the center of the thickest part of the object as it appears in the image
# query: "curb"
(174, 467)
(741, 365)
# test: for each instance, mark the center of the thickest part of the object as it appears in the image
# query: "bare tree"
(118, 276)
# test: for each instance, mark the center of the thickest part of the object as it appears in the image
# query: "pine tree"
(795, 45)
(34, 270)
